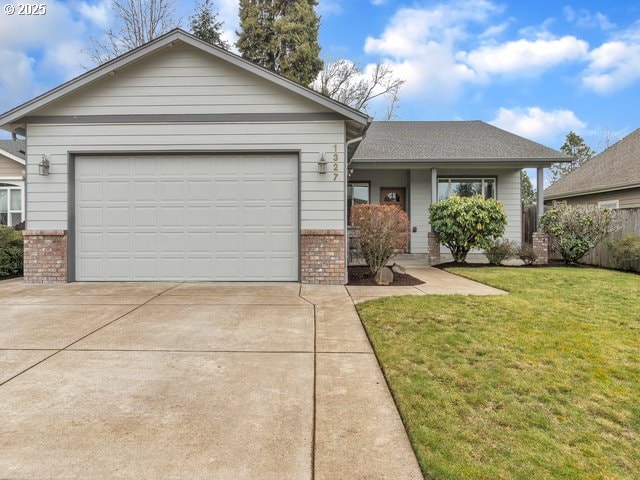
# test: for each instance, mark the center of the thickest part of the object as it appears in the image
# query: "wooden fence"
(628, 221)
(529, 222)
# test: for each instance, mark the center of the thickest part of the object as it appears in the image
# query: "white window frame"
(9, 185)
(482, 181)
(607, 203)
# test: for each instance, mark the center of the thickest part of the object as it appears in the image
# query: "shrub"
(625, 249)
(11, 251)
(576, 229)
(463, 223)
(382, 230)
(527, 254)
(499, 251)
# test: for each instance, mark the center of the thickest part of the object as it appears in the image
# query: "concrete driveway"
(224, 381)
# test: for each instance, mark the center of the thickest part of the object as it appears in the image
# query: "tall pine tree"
(281, 35)
(206, 26)
(573, 146)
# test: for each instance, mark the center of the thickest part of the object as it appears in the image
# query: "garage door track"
(162, 380)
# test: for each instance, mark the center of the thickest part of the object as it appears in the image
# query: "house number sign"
(335, 162)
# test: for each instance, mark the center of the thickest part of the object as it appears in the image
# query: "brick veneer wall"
(433, 247)
(322, 257)
(45, 256)
(541, 247)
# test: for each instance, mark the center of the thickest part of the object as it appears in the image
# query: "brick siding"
(45, 256)
(541, 247)
(322, 257)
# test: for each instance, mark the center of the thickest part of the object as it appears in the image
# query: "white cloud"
(97, 13)
(420, 44)
(329, 7)
(494, 30)
(614, 65)
(537, 124)
(524, 57)
(17, 82)
(585, 19)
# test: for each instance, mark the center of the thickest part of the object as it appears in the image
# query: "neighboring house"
(181, 161)
(414, 164)
(12, 173)
(610, 179)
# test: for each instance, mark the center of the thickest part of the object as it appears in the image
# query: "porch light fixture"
(322, 165)
(44, 166)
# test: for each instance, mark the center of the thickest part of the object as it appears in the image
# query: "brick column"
(541, 247)
(45, 256)
(322, 257)
(434, 248)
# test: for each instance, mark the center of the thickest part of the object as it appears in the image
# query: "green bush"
(625, 250)
(11, 251)
(576, 229)
(382, 229)
(527, 254)
(499, 251)
(463, 223)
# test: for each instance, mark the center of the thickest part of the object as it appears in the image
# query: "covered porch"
(415, 164)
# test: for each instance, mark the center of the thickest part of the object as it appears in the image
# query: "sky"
(538, 69)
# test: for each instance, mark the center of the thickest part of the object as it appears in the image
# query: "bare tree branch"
(343, 81)
(137, 22)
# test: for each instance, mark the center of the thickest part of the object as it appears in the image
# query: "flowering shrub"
(576, 229)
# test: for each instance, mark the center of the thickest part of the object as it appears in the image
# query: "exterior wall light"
(44, 166)
(322, 165)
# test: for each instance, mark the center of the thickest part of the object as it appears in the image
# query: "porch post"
(540, 187)
(434, 185)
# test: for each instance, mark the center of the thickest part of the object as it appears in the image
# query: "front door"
(393, 196)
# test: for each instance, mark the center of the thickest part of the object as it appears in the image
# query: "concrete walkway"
(224, 381)
(436, 282)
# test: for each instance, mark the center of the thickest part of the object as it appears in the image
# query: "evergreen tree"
(281, 35)
(575, 147)
(527, 193)
(206, 26)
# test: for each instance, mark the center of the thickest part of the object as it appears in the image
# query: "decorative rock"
(384, 276)
(397, 268)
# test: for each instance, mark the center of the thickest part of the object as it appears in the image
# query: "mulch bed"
(363, 276)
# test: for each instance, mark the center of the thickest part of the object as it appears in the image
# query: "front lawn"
(542, 383)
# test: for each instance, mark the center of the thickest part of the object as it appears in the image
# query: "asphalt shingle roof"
(14, 147)
(617, 167)
(452, 140)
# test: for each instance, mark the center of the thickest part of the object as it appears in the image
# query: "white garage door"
(195, 217)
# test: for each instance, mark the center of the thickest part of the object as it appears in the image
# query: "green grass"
(543, 383)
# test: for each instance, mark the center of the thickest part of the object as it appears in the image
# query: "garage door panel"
(224, 217)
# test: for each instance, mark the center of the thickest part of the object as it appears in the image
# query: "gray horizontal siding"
(322, 197)
(182, 80)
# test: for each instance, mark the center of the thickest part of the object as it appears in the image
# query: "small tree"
(463, 223)
(576, 229)
(206, 26)
(527, 193)
(382, 229)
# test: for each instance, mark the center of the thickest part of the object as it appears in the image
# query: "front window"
(10, 204)
(357, 194)
(610, 204)
(466, 187)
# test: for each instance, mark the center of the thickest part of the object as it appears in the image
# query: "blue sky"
(538, 69)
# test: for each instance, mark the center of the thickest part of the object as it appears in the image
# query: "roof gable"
(615, 168)
(13, 150)
(173, 38)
